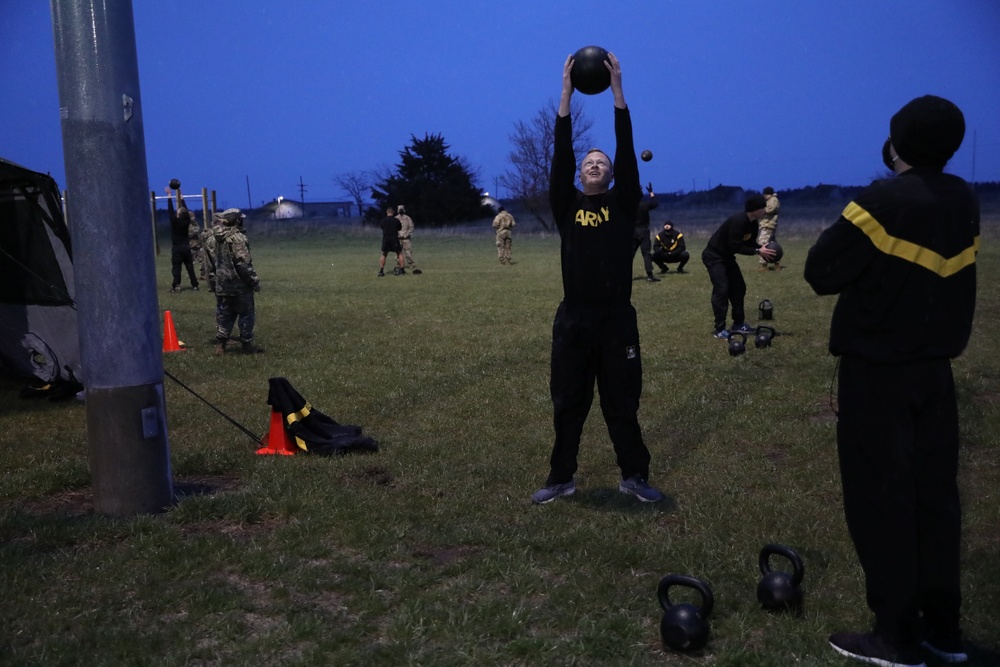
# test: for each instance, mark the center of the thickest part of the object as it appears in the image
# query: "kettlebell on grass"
(684, 626)
(778, 590)
(764, 336)
(766, 309)
(737, 343)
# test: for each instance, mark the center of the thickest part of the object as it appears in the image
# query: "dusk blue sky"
(785, 93)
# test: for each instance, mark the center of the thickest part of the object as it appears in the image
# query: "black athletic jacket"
(642, 217)
(670, 241)
(738, 234)
(902, 256)
(178, 228)
(596, 230)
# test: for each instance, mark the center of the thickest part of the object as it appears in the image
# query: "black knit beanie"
(755, 203)
(927, 131)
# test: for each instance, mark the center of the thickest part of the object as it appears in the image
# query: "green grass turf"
(429, 551)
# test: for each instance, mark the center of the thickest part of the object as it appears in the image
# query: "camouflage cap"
(233, 216)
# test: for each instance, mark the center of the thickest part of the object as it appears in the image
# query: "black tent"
(38, 326)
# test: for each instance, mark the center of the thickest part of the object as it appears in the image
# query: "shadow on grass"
(203, 486)
(612, 500)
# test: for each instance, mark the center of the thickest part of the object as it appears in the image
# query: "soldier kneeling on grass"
(232, 279)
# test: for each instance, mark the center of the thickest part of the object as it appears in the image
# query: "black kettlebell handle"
(743, 336)
(768, 328)
(798, 568)
(687, 581)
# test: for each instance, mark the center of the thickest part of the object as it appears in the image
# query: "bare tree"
(357, 184)
(531, 157)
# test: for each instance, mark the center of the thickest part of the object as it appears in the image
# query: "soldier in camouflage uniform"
(232, 278)
(769, 226)
(405, 232)
(503, 223)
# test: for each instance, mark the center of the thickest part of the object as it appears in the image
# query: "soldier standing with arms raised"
(595, 334)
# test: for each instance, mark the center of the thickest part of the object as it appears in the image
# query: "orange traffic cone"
(170, 342)
(277, 440)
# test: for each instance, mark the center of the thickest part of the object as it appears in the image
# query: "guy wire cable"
(253, 436)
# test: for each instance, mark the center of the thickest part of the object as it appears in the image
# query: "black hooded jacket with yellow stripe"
(902, 257)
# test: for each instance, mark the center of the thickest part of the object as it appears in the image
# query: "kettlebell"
(778, 590)
(684, 626)
(766, 310)
(737, 343)
(764, 336)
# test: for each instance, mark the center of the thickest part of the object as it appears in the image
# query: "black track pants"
(728, 288)
(599, 344)
(897, 437)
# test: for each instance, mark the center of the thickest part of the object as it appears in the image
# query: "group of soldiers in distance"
(223, 252)
(668, 246)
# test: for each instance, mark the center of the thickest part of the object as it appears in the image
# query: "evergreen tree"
(437, 188)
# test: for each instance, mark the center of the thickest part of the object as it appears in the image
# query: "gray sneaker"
(548, 493)
(637, 486)
(947, 649)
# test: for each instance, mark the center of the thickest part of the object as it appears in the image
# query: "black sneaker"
(652, 279)
(175, 289)
(681, 271)
(194, 288)
(664, 270)
(381, 274)
(874, 650)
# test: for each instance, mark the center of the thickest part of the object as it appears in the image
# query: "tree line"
(439, 188)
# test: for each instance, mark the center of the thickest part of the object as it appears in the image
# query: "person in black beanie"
(902, 257)
(737, 235)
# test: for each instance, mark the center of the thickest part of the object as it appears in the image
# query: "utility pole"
(118, 320)
(302, 195)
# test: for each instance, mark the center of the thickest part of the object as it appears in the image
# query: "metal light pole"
(120, 341)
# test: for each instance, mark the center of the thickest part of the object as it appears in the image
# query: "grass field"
(429, 551)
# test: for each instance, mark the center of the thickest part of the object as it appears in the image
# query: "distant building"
(331, 209)
(283, 209)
